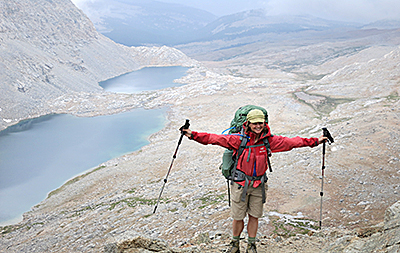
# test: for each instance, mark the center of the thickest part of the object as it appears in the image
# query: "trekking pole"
(229, 192)
(330, 140)
(321, 193)
(186, 126)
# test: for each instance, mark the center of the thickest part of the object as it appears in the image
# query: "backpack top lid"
(241, 117)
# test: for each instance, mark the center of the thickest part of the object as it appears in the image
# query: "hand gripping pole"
(186, 126)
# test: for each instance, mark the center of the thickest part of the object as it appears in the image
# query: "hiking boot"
(251, 247)
(234, 247)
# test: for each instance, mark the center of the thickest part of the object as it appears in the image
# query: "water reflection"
(39, 155)
(151, 78)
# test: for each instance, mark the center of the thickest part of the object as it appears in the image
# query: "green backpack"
(241, 117)
(228, 160)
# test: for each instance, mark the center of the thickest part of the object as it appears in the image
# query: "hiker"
(253, 163)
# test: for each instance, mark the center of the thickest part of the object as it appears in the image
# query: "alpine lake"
(41, 154)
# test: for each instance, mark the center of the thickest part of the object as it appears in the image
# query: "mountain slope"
(50, 48)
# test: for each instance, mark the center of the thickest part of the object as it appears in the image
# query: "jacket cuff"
(191, 136)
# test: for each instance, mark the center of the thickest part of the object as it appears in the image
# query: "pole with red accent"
(186, 126)
(330, 140)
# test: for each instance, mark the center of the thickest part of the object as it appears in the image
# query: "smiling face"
(257, 127)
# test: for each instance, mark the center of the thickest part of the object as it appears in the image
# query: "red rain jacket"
(256, 156)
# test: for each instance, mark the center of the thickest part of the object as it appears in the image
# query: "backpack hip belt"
(241, 176)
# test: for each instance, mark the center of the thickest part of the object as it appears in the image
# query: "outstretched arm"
(280, 143)
(226, 141)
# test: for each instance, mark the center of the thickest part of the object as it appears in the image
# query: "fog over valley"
(310, 64)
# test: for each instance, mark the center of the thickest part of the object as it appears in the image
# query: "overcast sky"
(364, 11)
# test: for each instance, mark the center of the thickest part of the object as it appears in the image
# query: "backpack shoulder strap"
(239, 152)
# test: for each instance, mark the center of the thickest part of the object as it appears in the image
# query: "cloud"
(80, 3)
(345, 10)
(220, 7)
(363, 11)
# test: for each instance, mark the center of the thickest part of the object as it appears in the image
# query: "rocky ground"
(348, 84)
(356, 97)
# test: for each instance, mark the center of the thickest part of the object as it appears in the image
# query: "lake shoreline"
(26, 124)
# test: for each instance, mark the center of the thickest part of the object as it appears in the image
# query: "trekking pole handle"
(186, 126)
(327, 134)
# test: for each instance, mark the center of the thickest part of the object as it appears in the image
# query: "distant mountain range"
(383, 24)
(255, 22)
(147, 22)
(144, 22)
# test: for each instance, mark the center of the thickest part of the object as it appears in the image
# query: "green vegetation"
(291, 227)
(315, 59)
(134, 201)
(394, 96)
(184, 203)
(327, 104)
(210, 199)
(131, 191)
(86, 208)
(7, 229)
(330, 104)
(37, 223)
(201, 238)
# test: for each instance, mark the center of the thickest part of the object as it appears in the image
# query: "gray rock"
(384, 238)
(144, 245)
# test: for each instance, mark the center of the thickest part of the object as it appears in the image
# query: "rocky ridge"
(356, 95)
(381, 238)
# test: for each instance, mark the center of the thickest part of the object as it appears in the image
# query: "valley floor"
(358, 102)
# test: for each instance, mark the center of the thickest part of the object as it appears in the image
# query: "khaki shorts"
(253, 204)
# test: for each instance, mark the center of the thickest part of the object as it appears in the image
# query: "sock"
(237, 238)
(251, 239)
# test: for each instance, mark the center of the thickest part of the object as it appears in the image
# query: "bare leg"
(237, 227)
(252, 226)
